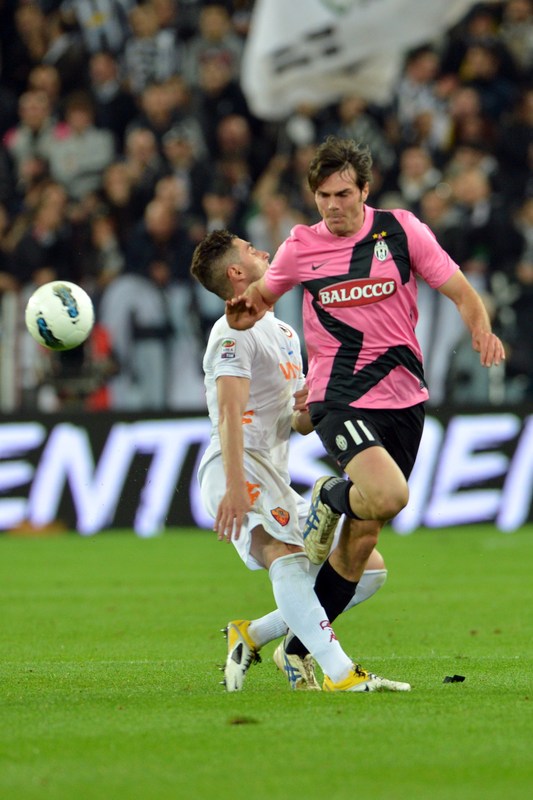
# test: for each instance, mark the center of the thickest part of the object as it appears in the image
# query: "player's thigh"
(275, 505)
(374, 471)
(265, 549)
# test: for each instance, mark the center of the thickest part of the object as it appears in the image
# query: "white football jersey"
(269, 356)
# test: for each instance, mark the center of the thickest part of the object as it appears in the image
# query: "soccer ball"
(60, 315)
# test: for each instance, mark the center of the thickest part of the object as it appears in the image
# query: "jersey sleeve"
(233, 353)
(282, 274)
(428, 259)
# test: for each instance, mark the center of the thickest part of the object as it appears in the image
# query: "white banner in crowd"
(314, 51)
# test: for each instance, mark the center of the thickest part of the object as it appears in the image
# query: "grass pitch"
(109, 687)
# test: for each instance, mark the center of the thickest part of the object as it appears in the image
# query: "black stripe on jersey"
(396, 239)
(363, 254)
(345, 385)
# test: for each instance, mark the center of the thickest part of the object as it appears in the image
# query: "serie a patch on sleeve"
(228, 348)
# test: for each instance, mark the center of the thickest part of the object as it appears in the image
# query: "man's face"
(340, 203)
(254, 263)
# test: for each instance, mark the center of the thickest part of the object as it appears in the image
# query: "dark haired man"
(358, 268)
(252, 379)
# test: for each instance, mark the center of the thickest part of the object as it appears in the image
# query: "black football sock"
(334, 593)
(336, 494)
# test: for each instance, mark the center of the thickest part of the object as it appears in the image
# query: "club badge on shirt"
(280, 515)
(381, 249)
(228, 348)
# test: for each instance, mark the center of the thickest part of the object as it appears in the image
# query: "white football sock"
(296, 599)
(271, 626)
(369, 583)
(265, 629)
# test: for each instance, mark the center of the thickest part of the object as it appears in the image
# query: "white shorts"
(277, 507)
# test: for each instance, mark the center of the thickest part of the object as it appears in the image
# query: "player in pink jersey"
(358, 267)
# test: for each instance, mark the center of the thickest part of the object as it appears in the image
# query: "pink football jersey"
(360, 306)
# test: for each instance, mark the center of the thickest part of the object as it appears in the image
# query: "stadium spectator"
(490, 242)
(116, 196)
(46, 78)
(145, 166)
(217, 95)
(182, 147)
(287, 174)
(105, 258)
(155, 112)
(150, 54)
(417, 174)
(481, 23)
(66, 53)
(482, 69)
(30, 141)
(466, 119)
(168, 17)
(27, 47)
(439, 327)
(520, 338)
(149, 312)
(516, 32)
(215, 40)
(114, 107)
(46, 249)
(78, 158)
(159, 245)
(103, 24)
(134, 313)
(352, 120)
(415, 92)
(515, 150)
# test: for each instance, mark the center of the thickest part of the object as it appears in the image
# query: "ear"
(234, 272)
(365, 191)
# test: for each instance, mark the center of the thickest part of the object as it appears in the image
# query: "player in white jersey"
(251, 378)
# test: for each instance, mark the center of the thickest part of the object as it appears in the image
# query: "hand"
(242, 313)
(300, 399)
(231, 512)
(490, 348)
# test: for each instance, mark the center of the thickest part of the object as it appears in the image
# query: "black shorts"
(344, 432)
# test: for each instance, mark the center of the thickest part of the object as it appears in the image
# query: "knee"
(385, 505)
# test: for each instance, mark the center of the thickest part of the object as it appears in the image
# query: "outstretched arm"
(476, 319)
(244, 311)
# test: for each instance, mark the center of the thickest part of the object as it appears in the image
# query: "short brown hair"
(338, 155)
(211, 259)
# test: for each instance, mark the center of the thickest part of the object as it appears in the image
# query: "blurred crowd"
(125, 137)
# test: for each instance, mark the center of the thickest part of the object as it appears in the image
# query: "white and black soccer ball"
(60, 315)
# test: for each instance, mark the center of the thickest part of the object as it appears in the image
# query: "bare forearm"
(231, 445)
(475, 317)
(474, 314)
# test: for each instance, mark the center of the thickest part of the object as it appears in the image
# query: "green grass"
(109, 687)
